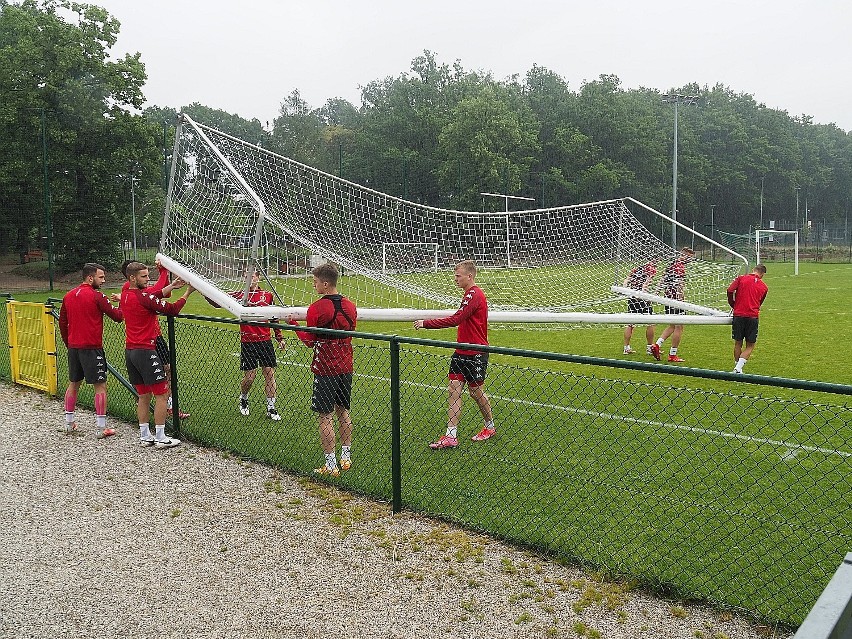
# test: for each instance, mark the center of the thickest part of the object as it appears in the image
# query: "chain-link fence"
(696, 485)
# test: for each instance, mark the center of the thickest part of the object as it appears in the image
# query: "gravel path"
(102, 538)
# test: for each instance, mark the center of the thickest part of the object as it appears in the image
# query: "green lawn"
(713, 489)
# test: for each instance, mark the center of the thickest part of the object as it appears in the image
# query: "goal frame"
(795, 235)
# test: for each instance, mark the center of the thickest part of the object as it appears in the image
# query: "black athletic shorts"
(671, 310)
(331, 391)
(87, 363)
(470, 368)
(162, 350)
(254, 354)
(744, 328)
(640, 306)
(144, 367)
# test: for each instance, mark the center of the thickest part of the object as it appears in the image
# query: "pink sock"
(100, 409)
(70, 399)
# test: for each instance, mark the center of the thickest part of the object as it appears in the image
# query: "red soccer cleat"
(444, 442)
(485, 433)
(675, 358)
(655, 351)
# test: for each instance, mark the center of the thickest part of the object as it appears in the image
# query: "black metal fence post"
(396, 461)
(170, 323)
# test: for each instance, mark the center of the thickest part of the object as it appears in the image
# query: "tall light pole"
(761, 200)
(676, 98)
(133, 211)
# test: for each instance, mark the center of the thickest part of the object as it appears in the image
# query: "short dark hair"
(91, 268)
(135, 267)
(761, 268)
(326, 273)
(124, 266)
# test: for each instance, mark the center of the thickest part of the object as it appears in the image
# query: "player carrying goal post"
(466, 366)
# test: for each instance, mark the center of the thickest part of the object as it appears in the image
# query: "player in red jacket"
(332, 366)
(745, 295)
(673, 283)
(162, 288)
(81, 325)
(144, 368)
(256, 351)
(639, 279)
(466, 365)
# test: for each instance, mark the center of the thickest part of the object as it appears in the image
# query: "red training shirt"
(471, 318)
(154, 289)
(332, 356)
(81, 318)
(745, 295)
(140, 316)
(251, 334)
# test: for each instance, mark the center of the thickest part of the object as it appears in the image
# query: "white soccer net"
(233, 207)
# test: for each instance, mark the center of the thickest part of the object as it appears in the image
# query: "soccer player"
(745, 295)
(256, 351)
(81, 325)
(466, 366)
(332, 367)
(161, 288)
(673, 283)
(639, 279)
(145, 370)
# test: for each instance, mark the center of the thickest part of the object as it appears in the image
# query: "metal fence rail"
(697, 484)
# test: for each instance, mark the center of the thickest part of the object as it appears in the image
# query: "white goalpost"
(768, 234)
(233, 207)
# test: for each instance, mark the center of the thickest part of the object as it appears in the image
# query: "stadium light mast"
(507, 198)
(676, 98)
(796, 227)
(133, 211)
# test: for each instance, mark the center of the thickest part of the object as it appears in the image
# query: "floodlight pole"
(133, 212)
(507, 198)
(676, 98)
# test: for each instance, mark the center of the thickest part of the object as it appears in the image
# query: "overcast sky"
(246, 56)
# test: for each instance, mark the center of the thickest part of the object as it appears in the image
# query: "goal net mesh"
(233, 206)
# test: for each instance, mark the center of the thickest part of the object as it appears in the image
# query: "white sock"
(144, 431)
(161, 432)
(100, 421)
(648, 348)
(330, 460)
(672, 351)
(69, 418)
(660, 341)
(345, 452)
(270, 402)
(244, 396)
(452, 432)
(490, 425)
(169, 402)
(740, 363)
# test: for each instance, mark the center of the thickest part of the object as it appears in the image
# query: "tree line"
(436, 134)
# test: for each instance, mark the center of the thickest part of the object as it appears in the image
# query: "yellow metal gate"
(32, 345)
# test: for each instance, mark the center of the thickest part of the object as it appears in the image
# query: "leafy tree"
(61, 88)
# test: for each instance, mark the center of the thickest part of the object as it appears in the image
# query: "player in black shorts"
(639, 279)
(673, 283)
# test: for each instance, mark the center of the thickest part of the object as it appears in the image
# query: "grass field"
(706, 488)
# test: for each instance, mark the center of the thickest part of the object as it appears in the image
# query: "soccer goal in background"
(768, 239)
(233, 207)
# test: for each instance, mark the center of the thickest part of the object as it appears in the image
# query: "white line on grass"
(788, 455)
